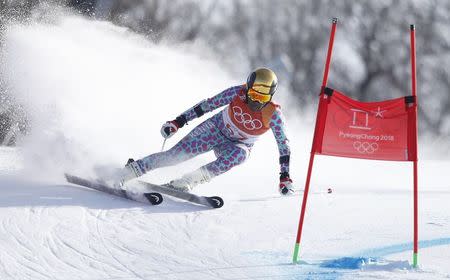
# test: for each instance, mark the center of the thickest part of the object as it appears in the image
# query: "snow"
(50, 229)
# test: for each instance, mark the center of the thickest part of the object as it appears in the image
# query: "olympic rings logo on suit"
(246, 119)
(365, 147)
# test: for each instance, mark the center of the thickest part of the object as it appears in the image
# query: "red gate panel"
(368, 130)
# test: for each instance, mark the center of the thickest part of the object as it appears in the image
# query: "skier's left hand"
(286, 187)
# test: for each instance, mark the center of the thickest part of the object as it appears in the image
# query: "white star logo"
(379, 112)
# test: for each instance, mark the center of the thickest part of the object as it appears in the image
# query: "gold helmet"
(261, 85)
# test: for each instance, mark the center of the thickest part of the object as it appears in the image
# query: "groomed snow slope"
(98, 95)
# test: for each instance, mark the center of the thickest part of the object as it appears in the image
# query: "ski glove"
(286, 187)
(171, 127)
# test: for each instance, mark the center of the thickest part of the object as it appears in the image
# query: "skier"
(231, 133)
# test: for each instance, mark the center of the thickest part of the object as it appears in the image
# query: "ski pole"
(164, 143)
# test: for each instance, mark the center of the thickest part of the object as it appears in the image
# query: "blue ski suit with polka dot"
(214, 134)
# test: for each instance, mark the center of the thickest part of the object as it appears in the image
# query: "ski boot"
(189, 181)
(132, 169)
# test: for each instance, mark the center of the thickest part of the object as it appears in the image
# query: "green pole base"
(415, 260)
(296, 250)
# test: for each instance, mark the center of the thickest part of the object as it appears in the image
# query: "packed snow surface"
(98, 94)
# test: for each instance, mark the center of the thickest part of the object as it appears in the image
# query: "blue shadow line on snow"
(347, 263)
(376, 253)
(271, 264)
(393, 249)
(337, 268)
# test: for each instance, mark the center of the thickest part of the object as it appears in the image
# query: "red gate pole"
(311, 159)
(416, 198)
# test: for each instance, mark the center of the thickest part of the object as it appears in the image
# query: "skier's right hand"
(169, 128)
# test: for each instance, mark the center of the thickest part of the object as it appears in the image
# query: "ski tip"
(154, 198)
(215, 201)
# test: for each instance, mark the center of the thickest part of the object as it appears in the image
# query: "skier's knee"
(240, 154)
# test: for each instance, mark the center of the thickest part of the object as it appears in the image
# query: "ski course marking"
(296, 193)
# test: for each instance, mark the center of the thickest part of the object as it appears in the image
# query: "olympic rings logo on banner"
(365, 147)
(246, 119)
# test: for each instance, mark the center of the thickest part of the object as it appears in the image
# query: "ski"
(152, 198)
(208, 201)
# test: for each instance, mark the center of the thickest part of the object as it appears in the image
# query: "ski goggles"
(258, 96)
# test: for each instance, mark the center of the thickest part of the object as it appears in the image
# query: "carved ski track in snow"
(30, 263)
(100, 216)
